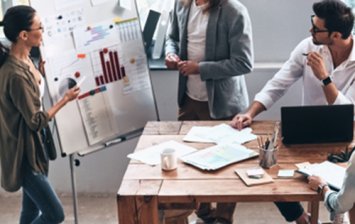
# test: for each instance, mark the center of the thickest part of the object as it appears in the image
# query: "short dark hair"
(337, 15)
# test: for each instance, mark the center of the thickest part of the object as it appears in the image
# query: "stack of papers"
(332, 173)
(218, 156)
(219, 134)
(151, 155)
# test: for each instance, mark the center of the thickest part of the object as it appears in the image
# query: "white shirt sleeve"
(348, 97)
(290, 72)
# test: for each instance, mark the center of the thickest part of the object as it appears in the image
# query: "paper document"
(218, 156)
(151, 155)
(332, 173)
(219, 134)
(198, 134)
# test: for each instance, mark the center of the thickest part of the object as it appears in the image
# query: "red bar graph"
(111, 68)
(123, 70)
(117, 65)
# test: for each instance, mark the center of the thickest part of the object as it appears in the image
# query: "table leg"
(352, 215)
(126, 209)
(137, 210)
(147, 207)
(314, 209)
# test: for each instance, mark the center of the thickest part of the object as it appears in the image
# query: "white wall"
(278, 25)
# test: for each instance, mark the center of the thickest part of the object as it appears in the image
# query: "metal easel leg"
(73, 185)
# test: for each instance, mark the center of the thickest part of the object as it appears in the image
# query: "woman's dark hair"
(337, 16)
(16, 19)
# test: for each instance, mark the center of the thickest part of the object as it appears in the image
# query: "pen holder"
(267, 157)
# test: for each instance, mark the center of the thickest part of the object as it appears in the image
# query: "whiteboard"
(97, 45)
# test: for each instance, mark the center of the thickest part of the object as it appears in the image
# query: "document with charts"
(218, 156)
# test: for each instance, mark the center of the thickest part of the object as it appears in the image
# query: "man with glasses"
(325, 62)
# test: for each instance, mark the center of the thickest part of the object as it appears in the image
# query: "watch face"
(326, 81)
(319, 189)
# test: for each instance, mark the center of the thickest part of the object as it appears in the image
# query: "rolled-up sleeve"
(290, 72)
(348, 97)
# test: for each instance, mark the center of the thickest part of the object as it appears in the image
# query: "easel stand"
(73, 162)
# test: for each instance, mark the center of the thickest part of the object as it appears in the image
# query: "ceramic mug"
(168, 159)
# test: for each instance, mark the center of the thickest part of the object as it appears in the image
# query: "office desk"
(145, 189)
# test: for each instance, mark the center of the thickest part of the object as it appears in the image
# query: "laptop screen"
(317, 124)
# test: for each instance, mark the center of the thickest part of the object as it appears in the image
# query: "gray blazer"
(228, 55)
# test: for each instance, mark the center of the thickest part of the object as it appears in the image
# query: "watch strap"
(321, 188)
(326, 81)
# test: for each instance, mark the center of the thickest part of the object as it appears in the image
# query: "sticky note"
(285, 173)
(255, 173)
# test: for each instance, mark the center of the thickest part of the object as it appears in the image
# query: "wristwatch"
(326, 81)
(321, 188)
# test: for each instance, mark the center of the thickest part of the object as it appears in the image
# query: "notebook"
(317, 124)
(251, 181)
(332, 173)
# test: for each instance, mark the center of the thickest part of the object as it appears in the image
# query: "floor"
(101, 209)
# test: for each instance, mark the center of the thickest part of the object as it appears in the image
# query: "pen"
(305, 54)
(114, 141)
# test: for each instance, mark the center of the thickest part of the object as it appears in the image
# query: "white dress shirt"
(312, 93)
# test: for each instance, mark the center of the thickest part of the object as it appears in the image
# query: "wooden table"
(145, 189)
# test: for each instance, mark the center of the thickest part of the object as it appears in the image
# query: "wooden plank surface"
(234, 190)
(162, 128)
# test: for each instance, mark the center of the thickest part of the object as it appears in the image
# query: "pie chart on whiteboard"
(65, 85)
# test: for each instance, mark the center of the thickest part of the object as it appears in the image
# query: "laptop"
(317, 124)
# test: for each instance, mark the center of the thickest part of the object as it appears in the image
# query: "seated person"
(325, 62)
(342, 201)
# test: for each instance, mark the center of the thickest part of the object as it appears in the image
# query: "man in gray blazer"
(210, 43)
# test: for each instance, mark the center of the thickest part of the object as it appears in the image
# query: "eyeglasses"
(35, 29)
(316, 29)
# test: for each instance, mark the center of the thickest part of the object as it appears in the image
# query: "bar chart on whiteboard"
(107, 67)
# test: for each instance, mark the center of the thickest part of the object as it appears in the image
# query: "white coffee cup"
(168, 159)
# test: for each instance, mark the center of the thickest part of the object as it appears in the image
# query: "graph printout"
(89, 38)
(97, 116)
(107, 66)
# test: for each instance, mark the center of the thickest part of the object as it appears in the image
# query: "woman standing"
(23, 156)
